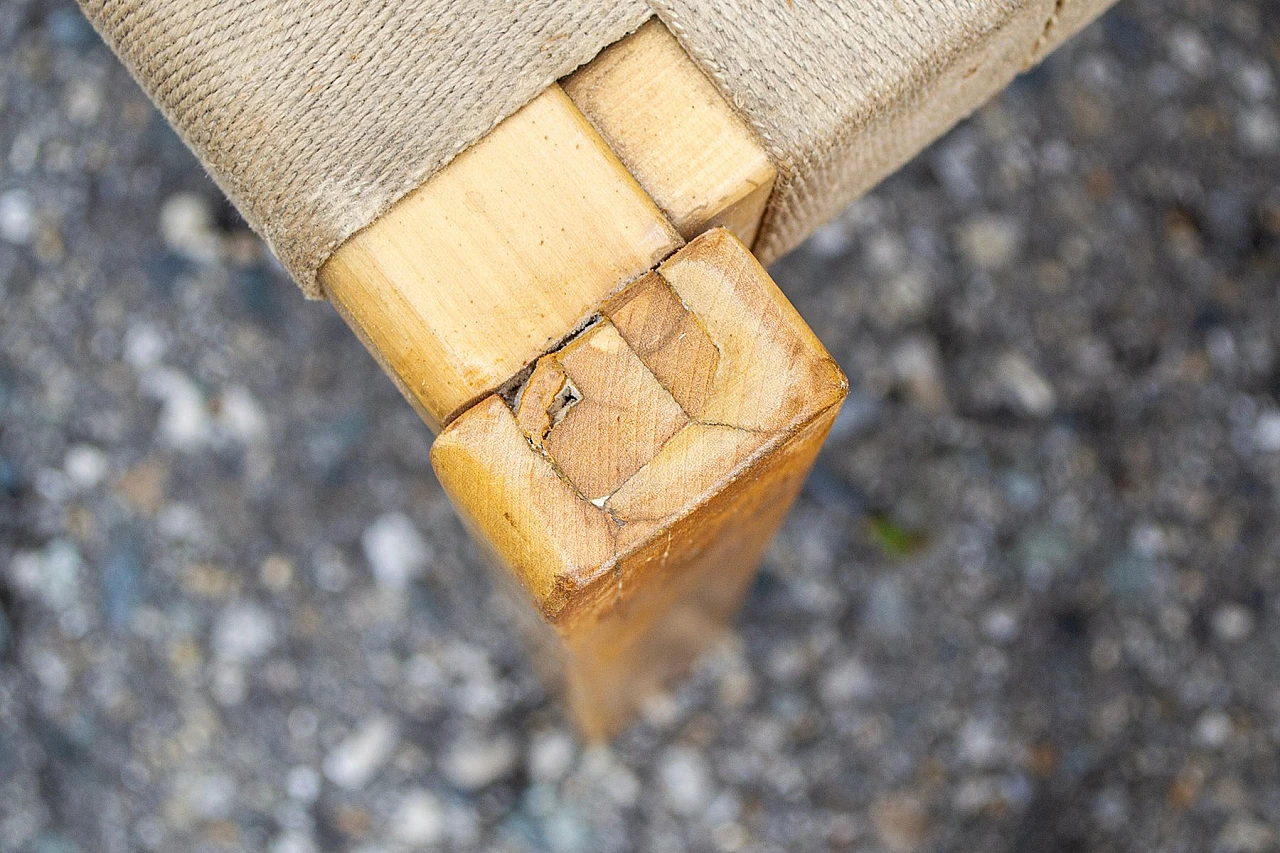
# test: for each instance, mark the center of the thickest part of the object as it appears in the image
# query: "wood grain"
(676, 133)
(668, 338)
(495, 259)
(618, 408)
(636, 562)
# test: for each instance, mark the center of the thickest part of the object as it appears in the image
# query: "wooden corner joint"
(626, 421)
(633, 481)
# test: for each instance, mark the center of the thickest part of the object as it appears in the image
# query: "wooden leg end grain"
(633, 482)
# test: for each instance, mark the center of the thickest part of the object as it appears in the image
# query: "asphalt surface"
(1027, 600)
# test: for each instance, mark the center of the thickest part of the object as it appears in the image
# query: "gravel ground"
(1027, 601)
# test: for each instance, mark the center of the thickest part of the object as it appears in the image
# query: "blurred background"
(1027, 601)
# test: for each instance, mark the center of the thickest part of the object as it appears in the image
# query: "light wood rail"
(498, 256)
(670, 126)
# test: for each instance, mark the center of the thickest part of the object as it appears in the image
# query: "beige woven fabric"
(315, 116)
(843, 93)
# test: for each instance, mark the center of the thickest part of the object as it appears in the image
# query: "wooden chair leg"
(625, 421)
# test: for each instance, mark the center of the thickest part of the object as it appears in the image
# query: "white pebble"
(787, 662)
(1266, 432)
(990, 242)
(419, 819)
(1233, 622)
(214, 795)
(182, 522)
(829, 241)
(1244, 834)
(51, 671)
(551, 755)
(886, 251)
(906, 295)
(1254, 81)
(1000, 625)
(186, 223)
(1190, 51)
(244, 631)
(980, 745)
(472, 764)
(84, 101)
(61, 563)
(847, 681)
(1259, 130)
(184, 416)
(395, 549)
(1148, 540)
(1213, 728)
(52, 573)
(686, 782)
(240, 416)
(144, 346)
(917, 365)
(1025, 387)
(17, 217)
(303, 783)
(1221, 346)
(85, 465)
(607, 774)
(660, 710)
(974, 795)
(356, 760)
